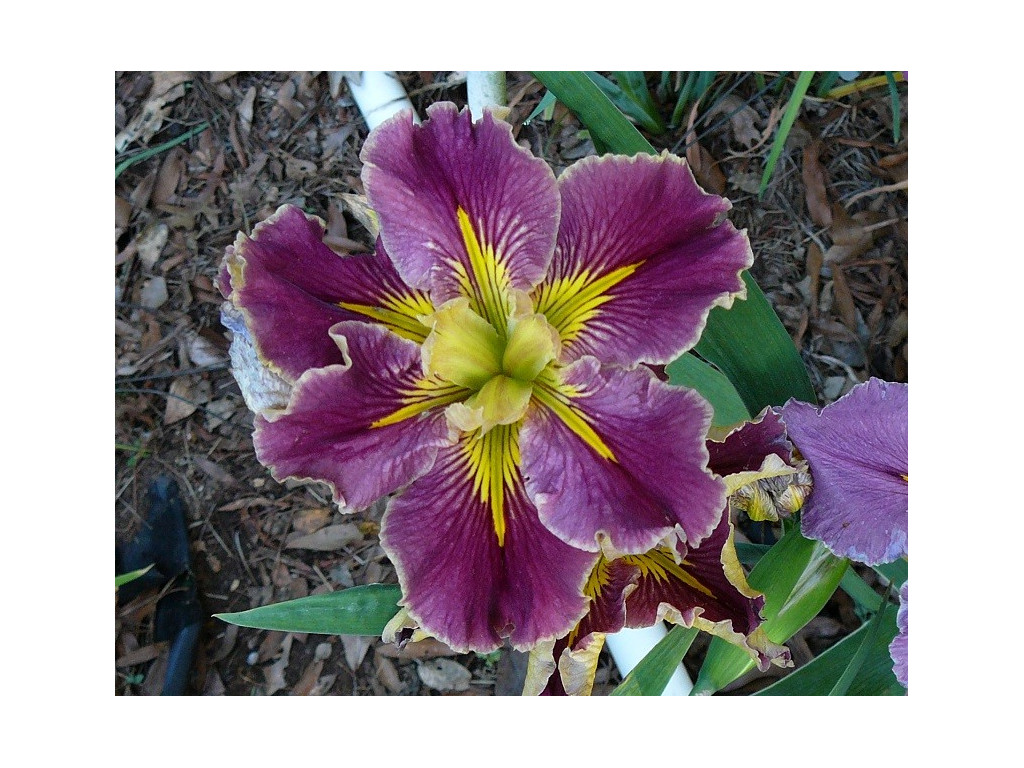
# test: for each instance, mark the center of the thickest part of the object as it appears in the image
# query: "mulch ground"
(829, 234)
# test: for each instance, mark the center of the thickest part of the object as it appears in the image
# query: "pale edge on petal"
(234, 261)
(762, 651)
(725, 301)
(264, 391)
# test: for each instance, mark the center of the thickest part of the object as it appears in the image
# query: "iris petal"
(464, 210)
(643, 254)
(651, 476)
(469, 579)
(339, 426)
(291, 289)
(858, 455)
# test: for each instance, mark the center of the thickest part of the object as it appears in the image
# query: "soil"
(829, 234)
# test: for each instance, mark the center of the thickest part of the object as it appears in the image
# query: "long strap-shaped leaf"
(651, 675)
(797, 576)
(875, 677)
(748, 342)
(363, 610)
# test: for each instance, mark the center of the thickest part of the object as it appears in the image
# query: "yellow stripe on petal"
(427, 394)
(569, 303)
(399, 314)
(492, 460)
(661, 565)
(557, 399)
(486, 284)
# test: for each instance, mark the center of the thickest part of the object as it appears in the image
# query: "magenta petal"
(460, 585)
(647, 211)
(705, 565)
(745, 448)
(657, 480)
(326, 433)
(288, 286)
(417, 177)
(858, 456)
(898, 649)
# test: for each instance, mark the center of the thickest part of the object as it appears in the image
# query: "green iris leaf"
(363, 610)
(874, 677)
(651, 675)
(797, 577)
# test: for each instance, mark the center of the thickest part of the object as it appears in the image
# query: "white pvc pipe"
(629, 646)
(379, 95)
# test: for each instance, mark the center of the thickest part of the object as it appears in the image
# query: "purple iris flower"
(858, 456)
(857, 449)
(485, 363)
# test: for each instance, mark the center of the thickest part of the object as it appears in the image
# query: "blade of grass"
(862, 85)
(595, 110)
(684, 98)
(634, 84)
(627, 103)
(124, 578)
(363, 610)
(825, 83)
(894, 98)
(788, 118)
(652, 674)
(546, 103)
(146, 154)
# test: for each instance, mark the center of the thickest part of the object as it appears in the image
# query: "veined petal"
(614, 459)
(474, 562)
(858, 455)
(367, 426)
(643, 254)
(291, 288)
(705, 587)
(898, 648)
(464, 210)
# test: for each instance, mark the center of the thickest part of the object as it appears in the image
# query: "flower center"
(464, 349)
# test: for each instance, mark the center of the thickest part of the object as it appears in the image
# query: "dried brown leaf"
(311, 520)
(307, 682)
(326, 539)
(140, 655)
(171, 170)
(245, 112)
(844, 299)
(355, 647)
(215, 471)
(427, 648)
(444, 675)
(816, 183)
(150, 243)
(274, 674)
(815, 259)
(181, 404)
(742, 120)
(705, 169)
(387, 673)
